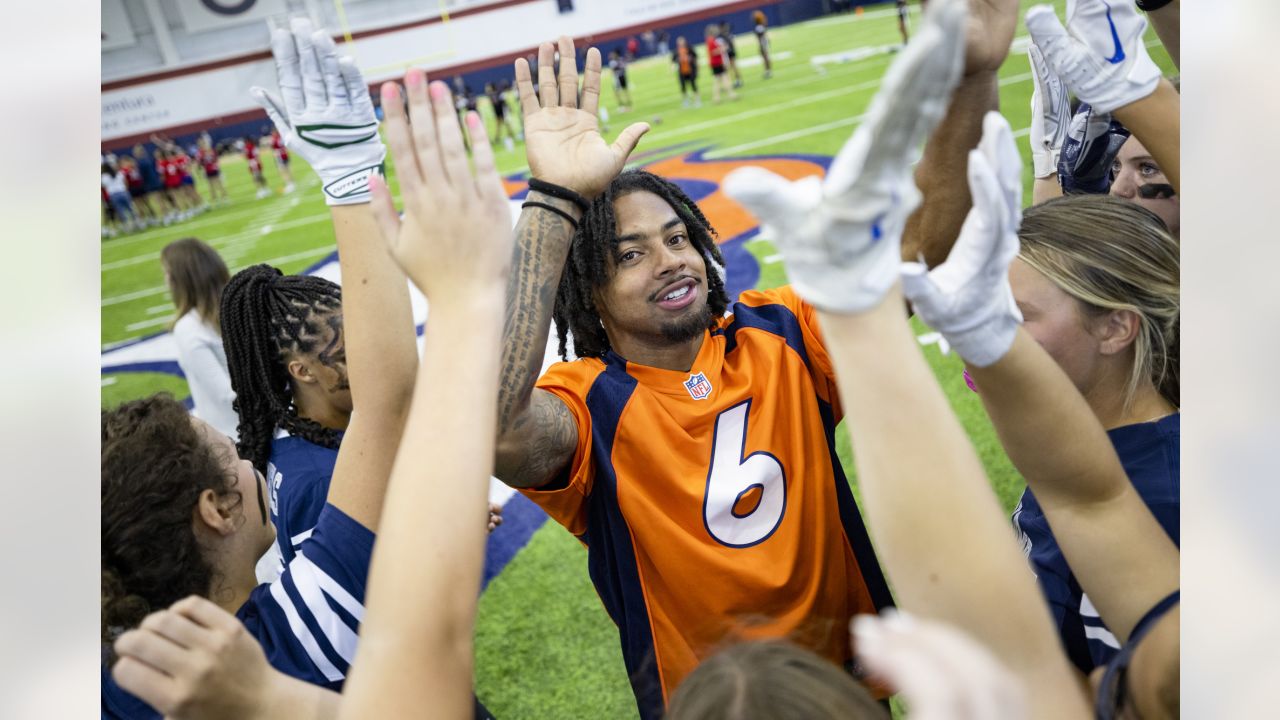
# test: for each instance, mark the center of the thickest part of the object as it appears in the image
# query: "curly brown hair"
(155, 465)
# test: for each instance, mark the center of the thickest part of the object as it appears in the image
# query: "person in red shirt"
(282, 160)
(718, 56)
(208, 159)
(167, 164)
(138, 190)
(187, 183)
(255, 167)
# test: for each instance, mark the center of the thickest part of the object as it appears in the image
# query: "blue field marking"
(520, 519)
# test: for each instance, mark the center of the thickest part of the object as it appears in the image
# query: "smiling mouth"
(678, 295)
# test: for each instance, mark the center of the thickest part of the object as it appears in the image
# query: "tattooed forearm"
(542, 244)
(541, 441)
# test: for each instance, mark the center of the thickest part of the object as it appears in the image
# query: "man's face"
(1133, 168)
(656, 292)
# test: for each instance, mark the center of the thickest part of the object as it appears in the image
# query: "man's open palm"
(563, 141)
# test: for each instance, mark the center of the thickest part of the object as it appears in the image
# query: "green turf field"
(545, 648)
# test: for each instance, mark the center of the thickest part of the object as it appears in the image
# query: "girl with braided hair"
(285, 351)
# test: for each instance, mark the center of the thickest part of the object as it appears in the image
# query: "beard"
(688, 327)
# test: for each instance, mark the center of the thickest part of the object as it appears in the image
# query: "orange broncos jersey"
(712, 503)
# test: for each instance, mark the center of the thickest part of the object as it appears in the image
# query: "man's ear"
(215, 512)
(299, 372)
(1117, 330)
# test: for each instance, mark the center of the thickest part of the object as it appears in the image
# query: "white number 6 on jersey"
(732, 478)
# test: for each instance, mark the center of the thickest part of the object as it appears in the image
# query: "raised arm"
(326, 116)
(1121, 556)
(415, 656)
(936, 524)
(1166, 18)
(1102, 58)
(536, 432)
(933, 228)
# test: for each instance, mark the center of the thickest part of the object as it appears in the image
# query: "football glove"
(1050, 115)
(1100, 55)
(1092, 143)
(841, 237)
(967, 298)
(327, 116)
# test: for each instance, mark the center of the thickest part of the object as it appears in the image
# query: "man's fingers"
(487, 183)
(399, 141)
(453, 153)
(568, 73)
(548, 95)
(154, 687)
(313, 91)
(591, 82)
(384, 210)
(524, 88)
(422, 125)
(627, 141)
(288, 73)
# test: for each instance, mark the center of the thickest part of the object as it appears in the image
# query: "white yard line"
(148, 323)
(126, 297)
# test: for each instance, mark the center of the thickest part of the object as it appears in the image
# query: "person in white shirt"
(196, 274)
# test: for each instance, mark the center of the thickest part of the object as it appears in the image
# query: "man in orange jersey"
(690, 446)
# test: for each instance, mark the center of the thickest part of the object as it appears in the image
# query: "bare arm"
(936, 523)
(381, 361)
(1114, 545)
(933, 228)
(455, 242)
(536, 432)
(1156, 121)
(1168, 24)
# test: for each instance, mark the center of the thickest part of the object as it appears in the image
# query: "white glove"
(1050, 115)
(967, 298)
(1103, 60)
(327, 116)
(841, 237)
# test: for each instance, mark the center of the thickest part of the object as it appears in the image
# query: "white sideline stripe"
(109, 380)
(773, 259)
(156, 309)
(225, 242)
(755, 60)
(304, 635)
(147, 323)
(117, 299)
(306, 579)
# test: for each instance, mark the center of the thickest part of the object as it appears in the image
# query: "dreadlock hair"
(589, 264)
(267, 317)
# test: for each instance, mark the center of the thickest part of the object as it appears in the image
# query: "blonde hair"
(762, 679)
(197, 275)
(1112, 254)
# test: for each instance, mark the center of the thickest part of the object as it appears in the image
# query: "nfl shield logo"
(698, 386)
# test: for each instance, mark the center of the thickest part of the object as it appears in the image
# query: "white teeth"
(677, 293)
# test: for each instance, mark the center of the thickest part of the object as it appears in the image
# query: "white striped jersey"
(307, 620)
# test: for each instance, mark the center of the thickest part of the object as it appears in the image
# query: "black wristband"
(1150, 5)
(556, 191)
(552, 208)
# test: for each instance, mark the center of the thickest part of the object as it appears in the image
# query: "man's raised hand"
(562, 140)
(326, 115)
(454, 239)
(967, 298)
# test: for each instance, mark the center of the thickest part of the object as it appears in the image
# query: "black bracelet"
(1150, 5)
(552, 208)
(556, 191)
